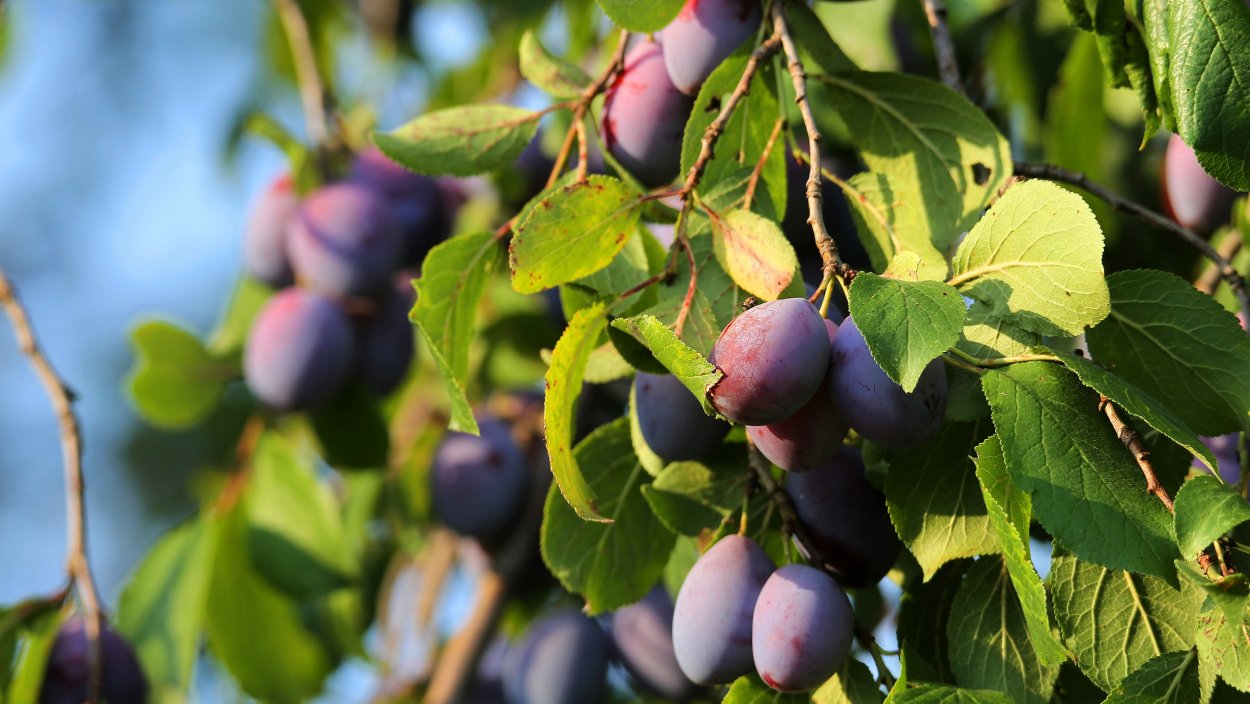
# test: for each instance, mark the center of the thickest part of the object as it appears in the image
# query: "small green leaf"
(854, 684)
(750, 690)
(941, 694)
(753, 250)
(616, 562)
(889, 224)
(461, 412)
(246, 300)
(1207, 508)
(564, 385)
(811, 36)
(1036, 256)
(35, 637)
(906, 324)
(924, 610)
(644, 16)
(1176, 343)
(461, 141)
(690, 496)
(175, 383)
(1223, 646)
(573, 232)
(988, 336)
(715, 300)
(653, 463)
(550, 73)
(1171, 678)
(690, 367)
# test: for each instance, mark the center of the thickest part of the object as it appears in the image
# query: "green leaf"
(352, 431)
(715, 300)
(941, 694)
(550, 73)
(176, 383)
(564, 385)
(989, 639)
(690, 367)
(932, 143)
(256, 631)
(988, 336)
(1171, 678)
(614, 563)
(1176, 343)
(641, 15)
(1207, 508)
(653, 463)
(690, 496)
(162, 608)
(1140, 404)
(461, 412)
(906, 324)
(755, 253)
(811, 36)
(1209, 73)
(924, 611)
(35, 637)
(1036, 256)
(854, 684)
(461, 141)
(573, 232)
(1087, 490)
(889, 224)
(1009, 510)
(1224, 641)
(934, 501)
(1113, 622)
(750, 690)
(294, 531)
(246, 300)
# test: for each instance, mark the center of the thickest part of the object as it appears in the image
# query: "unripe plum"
(66, 676)
(672, 421)
(345, 241)
(419, 204)
(712, 616)
(876, 407)
(1190, 196)
(643, 635)
(478, 481)
(774, 357)
(644, 117)
(299, 353)
(846, 519)
(563, 659)
(802, 628)
(807, 439)
(385, 343)
(265, 239)
(703, 35)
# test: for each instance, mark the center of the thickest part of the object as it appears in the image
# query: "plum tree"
(265, 239)
(563, 659)
(643, 635)
(809, 437)
(300, 351)
(712, 616)
(67, 675)
(420, 204)
(644, 117)
(846, 518)
(774, 357)
(702, 35)
(384, 342)
(345, 241)
(802, 628)
(876, 407)
(1189, 194)
(672, 421)
(478, 482)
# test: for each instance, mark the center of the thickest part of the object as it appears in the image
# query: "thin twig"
(758, 171)
(686, 302)
(78, 567)
(1210, 277)
(1226, 271)
(990, 362)
(943, 46)
(577, 130)
(1129, 437)
(311, 90)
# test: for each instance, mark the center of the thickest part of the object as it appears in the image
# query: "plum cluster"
(646, 107)
(342, 256)
(67, 674)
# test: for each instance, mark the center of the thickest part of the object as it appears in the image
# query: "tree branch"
(311, 90)
(1132, 441)
(62, 398)
(1210, 278)
(943, 46)
(1225, 269)
(577, 130)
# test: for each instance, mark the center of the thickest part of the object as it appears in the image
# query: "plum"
(808, 438)
(1190, 196)
(563, 659)
(345, 241)
(643, 635)
(876, 407)
(704, 33)
(385, 344)
(1224, 447)
(420, 204)
(66, 676)
(478, 482)
(644, 117)
(672, 421)
(802, 628)
(265, 239)
(846, 519)
(299, 352)
(712, 616)
(774, 357)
